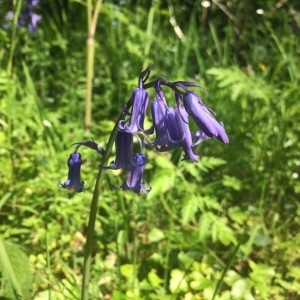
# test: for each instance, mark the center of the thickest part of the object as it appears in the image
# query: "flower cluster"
(28, 18)
(170, 125)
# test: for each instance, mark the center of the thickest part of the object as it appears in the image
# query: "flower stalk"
(92, 218)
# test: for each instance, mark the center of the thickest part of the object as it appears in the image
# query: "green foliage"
(13, 265)
(225, 228)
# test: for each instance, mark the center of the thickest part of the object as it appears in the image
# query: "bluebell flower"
(170, 125)
(134, 181)
(28, 17)
(166, 136)
(203, 117)
(139, 103)
(182, 125)
(171, 129)
(124, 152)
(73, 181)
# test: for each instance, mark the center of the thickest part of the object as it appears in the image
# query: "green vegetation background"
(225, 228)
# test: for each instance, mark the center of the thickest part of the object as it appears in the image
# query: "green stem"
(227, 267)
(92, 22)
(92, 218)
(17, 9)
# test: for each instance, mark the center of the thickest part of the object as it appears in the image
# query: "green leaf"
(178, 281)
(261, 272)
(222, 232)
(162, 182)
(237, 215)
(154, 279)
(205, 226)
(242, 84)
(241, 289)
(232, 182)
(209, 163)
(127, 270)
(155, 235)
(14, 264)
(189, 209)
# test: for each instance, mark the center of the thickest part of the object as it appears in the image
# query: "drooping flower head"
(203, 117)
(170, 124)
(181, 119)
(138, 103)
(173, 132)
(165, 133)
(134, 181)
(73, 181)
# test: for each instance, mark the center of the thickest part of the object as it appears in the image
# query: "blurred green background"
(225, 228)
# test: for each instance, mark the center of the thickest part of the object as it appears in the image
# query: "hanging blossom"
(129, 161)
(170, 127)
(125, 158)
(73, 181)
(203, 117)
(138, 103)
(134, 181)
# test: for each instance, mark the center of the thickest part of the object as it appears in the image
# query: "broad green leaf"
(154, 279)
(261, 272)
(241, 290)
(127, 270)
(155, 235)
(199, 281)
(15, 269)
(178, 281)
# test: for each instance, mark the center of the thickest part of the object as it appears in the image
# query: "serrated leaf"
(164, 163)
(242, 84)
(209, 163)
(205, 226)
(162, 182)
(222, 232)
(237, 215)
(189, 209)
(208, 203)
(232, 182)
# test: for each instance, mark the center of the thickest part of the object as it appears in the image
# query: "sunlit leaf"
(15, 269)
